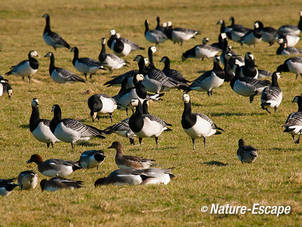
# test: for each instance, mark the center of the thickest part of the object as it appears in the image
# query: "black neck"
(75, 56)
(167, 64)
(33, 62)
(299, 105)
(56, 119)
(47, 25)
(34, 118)
(300, 23)
(150, 55)
(102, 54)
(52, 63)
(188, 119)
(146, 27)
(275, 81)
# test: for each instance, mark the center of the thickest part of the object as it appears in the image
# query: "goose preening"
(284, 49)
(201, 51)
(27, 67)
(121, 46)
(236, 31)
(51, 38)
(121, 128)
(110, 61)
(268, 34)
(40, 128)
(7, 186)
(27, 180)
(293, 65)
(292, 29)
(54, 167)
(127, 161)
(210, 79)
(136, 177)
(91, 158)
(154, 36)
(57, 183)
(5, 87)
(246, 153)
(293, 123)
(61, 75)
(146, 125)
(173, 73)
(179, 35)
(101, 103)
(252, 37)
(197, 125)
(85, 65)
(70, 130)
(272, 95)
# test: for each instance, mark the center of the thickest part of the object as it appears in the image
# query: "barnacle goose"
(7, 186)
(51, 38)
(128, 161)
(58, 183)
(5, 87)
(121, 128)
(237, 31)
(27, 179)
(39, 128)
(110, 61)
(210, 79)
(291, 39)
(71, 130)
(293, 65)
(176, 75)
(249, 69)
(246, 153)
(268, 34)
(201, 51)
(101, 103)
(61, 75)
(284, 49)
(293, 123)
(85, 65)
(197, 125)
(27, 67)
(253, 36)
(91, 158)
(179, 35)
(291, 29)
(272, 95)
(121, 46)
(146, 125)
(154, 36)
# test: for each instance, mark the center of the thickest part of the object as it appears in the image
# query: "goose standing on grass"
(291, 29)
(27, 67)
(136, 177)
(146, 125)
(61, 75)
(101, 103)
(7, 186)
(293, 65)
(174, 74)
(121, 46)
(201, 51)
(5, 87)
(268, 34)
(110, 61)
(197, 125)
(246, 153)
(121, 128)
(210, 79)
(57, 183)
(293, 123)
(284, 49)
(54, 167)
(91, 158)
(51, 38)
(126, 161)
(85, 65)
(237, 31)
(272, 95)
(154, 36)
(27, 180)
(253, 36)
(71, 130)
(179, 35)
(39, 128)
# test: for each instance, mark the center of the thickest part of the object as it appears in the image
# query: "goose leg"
(275, 108)
(193, 142)
(85, 74)
(127, 112)
(72, 146)
(268, 110)
(52, 145)
(140, 140)
(48, 145)
(204, 142)
(156, 141)
(131, 141)
(298, 140)
(110, 114)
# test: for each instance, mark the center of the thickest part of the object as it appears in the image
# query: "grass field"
(274, 179)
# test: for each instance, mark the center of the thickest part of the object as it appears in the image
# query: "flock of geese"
(147, 83)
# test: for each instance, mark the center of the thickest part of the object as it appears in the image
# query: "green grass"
(274, 179)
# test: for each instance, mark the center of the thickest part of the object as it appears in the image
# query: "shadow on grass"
(87, 144)
(24, 126)
(215, 163)
(285, 149)
(201, 71)
(137, 147)
(229, 114)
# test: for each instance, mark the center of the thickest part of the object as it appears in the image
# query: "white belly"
(83, 68)
(150, 129)
(162, 179)
(179, 36)
(243, 89)
(44, 134)
(1, 89)
(205, 52)
(210, 83)
(202, 128)
(68, 135)
(109, 105)
(295, 67)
